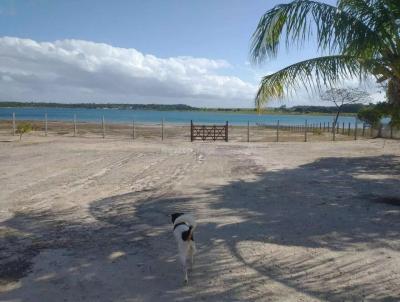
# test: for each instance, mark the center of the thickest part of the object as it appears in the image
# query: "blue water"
(176, 117)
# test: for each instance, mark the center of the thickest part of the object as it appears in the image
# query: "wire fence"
(252, 132)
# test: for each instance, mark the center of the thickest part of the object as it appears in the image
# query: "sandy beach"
(88, 219)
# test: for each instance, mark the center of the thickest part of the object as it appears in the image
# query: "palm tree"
(357, 38)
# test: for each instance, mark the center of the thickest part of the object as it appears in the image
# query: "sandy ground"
(88, 220)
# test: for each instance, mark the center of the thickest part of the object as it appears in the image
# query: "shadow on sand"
(316, 229)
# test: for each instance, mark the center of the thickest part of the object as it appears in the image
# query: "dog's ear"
(174, 216)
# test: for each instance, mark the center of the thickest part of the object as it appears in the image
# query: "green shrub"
(24, 128)
(371, 116)
(317, 131)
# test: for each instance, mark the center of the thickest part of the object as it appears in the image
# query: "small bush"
(317, 132)
(371, 116)
(24, 128)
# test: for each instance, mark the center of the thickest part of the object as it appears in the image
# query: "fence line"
(255, 132)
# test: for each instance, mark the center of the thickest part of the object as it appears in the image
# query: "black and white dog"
(184, 225)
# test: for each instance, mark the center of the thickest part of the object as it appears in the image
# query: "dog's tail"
(188, 235)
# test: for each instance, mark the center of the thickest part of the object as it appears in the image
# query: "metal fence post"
(103, 126)
(333, 132)
(45, 124)
(162, 129)
(226, 131)
(191, 130)
(133, 129)
(277, 131)
(75, 124)
(305, 131)
(13, 123)
(214, 129)
(248, 131)
(355, 129)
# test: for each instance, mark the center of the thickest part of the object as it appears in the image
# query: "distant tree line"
(99, 106)
(347, 108)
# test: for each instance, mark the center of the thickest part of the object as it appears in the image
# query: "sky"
(127, 51)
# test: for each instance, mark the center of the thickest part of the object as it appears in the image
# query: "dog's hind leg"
(185, 272)
(182, 259)
(192, 251)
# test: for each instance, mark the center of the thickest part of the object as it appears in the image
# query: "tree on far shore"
(357, 38)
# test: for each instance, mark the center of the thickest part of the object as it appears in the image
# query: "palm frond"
(337, 29)
(310, 74)
(380, 16)
(293, 18)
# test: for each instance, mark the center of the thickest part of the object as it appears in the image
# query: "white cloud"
(76, 70)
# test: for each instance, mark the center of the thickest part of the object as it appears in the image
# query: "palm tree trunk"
(393, 91)
(393, 95)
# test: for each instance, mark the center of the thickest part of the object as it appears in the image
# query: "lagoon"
(175, 117)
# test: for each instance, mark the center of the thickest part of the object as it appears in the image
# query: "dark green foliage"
(357, 38)
(347, 108)
(370, 115)
(373, 114)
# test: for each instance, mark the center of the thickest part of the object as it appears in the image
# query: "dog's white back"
(187, 218)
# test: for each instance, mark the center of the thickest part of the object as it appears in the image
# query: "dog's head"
(174, 216)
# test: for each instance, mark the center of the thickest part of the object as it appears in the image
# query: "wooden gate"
(203, 132)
